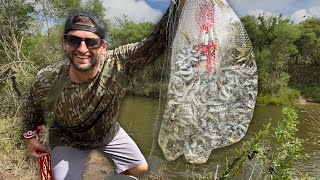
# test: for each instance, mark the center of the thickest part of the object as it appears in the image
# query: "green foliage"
(129, 32)
(148, 81)
(310, 91)
(11, 139)
(58, 8)
(273, 150)
(15, 19)
(261, 30)
(17, 12)
(305, 67)
(45, 49)
(284, 96)
(54, 12)
(251, 25)
(13, 152)
(96, 6)
(249, 147)
(286, 55)
(286, 148)
(276, 61)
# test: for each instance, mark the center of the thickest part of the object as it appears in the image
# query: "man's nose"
(83, 47)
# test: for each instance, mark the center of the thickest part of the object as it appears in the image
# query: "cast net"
(212, 83)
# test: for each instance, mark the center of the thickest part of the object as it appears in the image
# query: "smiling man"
(81, 98)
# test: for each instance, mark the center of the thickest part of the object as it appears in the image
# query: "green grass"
(285, 96)
(13, 153)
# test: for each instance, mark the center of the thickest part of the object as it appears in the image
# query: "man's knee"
(138, 170)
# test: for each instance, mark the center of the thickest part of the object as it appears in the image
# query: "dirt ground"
(97, 167)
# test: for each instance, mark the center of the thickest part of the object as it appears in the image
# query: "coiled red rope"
(44, 162)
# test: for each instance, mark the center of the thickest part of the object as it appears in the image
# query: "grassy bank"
(310, 92)
(286, 96)
(14, 162)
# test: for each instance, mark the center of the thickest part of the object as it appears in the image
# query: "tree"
(58, 8)
(129, 32)
(50, 12)
(287, 55)
(307, 64)
(15, 19)
(273, 40)
(96, 6)
(251, 25)
(146, 50)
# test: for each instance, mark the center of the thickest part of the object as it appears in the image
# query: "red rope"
(205, 19)
(44, 162)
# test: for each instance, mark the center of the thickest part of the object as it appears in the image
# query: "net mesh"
(212, 83)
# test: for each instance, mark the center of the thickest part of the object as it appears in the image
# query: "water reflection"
(139, 118)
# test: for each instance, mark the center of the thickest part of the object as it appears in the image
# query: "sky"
(152, 10)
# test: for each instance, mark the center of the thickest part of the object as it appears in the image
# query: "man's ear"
(105, 44)
(63, 43)
(104, 47)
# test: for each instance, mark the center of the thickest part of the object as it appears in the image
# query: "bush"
(285, 96)
(310, 92)
(274, 151)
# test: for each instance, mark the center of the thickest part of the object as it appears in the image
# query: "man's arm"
(133, 57)
(32, 117)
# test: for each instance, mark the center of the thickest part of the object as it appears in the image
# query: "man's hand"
(35, 149)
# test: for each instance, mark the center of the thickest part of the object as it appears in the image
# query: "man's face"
(85, 56)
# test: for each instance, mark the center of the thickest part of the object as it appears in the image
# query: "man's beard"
(90, 66)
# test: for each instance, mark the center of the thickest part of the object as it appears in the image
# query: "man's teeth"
(83, 57)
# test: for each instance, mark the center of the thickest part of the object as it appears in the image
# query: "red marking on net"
(44, 162)
(205, 15)
(205, 19)
(210, 52)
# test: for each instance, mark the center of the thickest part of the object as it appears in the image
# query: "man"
(82, 96)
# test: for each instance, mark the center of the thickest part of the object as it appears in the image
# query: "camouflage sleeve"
(133, 57)
(32, 111)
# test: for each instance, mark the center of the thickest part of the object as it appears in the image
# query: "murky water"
(139, 118)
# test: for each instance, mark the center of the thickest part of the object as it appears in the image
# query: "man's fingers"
(36, 155)
(39, 154)
(43, 149)
(36, 149)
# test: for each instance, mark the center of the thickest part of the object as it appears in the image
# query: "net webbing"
(212, 81)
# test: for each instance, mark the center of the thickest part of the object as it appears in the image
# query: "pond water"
(139, 118)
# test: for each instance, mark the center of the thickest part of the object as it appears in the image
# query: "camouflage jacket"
(84, 115)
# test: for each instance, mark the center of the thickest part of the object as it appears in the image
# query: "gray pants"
(68, 163)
